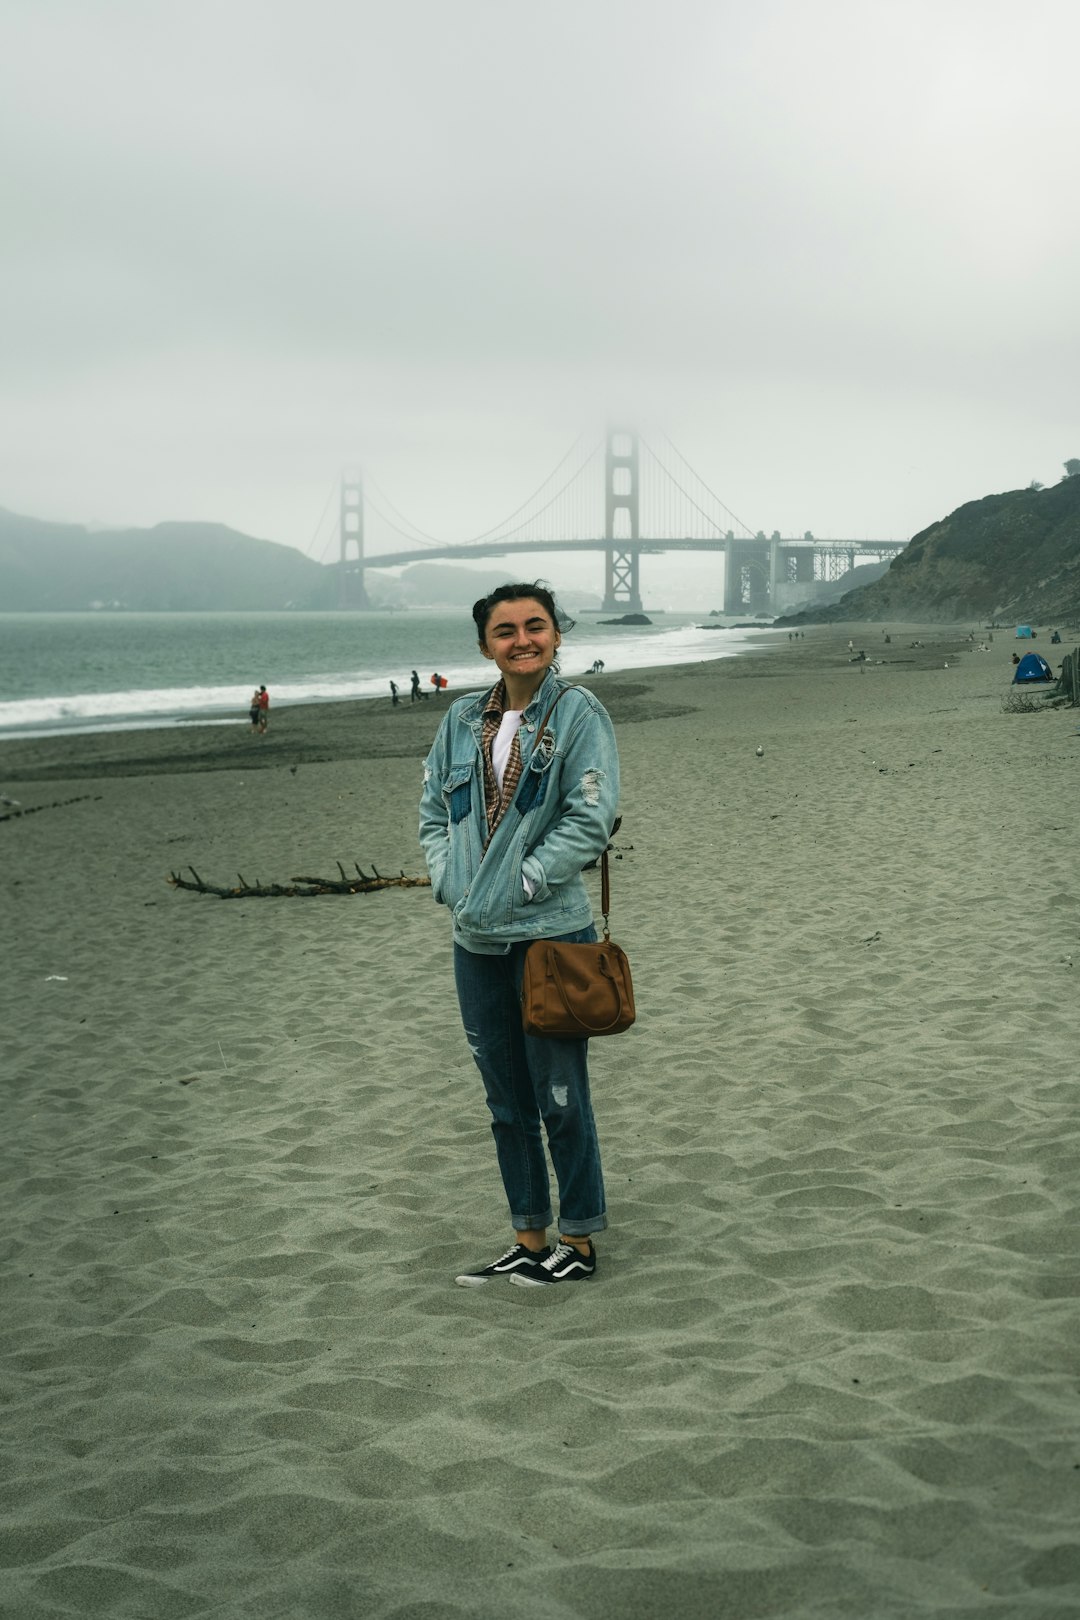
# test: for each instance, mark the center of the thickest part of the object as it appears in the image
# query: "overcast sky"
(829, 246)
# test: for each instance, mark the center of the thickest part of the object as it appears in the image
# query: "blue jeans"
(529, 1079)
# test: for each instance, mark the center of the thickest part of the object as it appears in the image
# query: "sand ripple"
(829, 1366)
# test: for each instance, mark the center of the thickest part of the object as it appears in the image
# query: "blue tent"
(1032, 667)
(1023, 631)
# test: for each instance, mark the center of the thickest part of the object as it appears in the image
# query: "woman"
(519, 797)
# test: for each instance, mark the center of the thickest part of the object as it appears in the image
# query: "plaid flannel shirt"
(497, 803)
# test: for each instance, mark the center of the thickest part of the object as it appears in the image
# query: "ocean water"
(67, 672)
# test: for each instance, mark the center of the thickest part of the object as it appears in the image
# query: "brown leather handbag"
(573, 992)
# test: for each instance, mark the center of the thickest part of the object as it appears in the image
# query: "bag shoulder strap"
(551, 710)
(605, 894)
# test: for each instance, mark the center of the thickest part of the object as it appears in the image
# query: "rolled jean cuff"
(597, 1223)
(532, 1223)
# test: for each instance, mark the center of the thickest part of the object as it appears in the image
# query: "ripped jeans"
(528, 1080)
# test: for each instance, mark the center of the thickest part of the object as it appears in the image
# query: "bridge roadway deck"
(502, 548)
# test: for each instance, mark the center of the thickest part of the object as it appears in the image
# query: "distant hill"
(1014, 556)
(173, 567)
(200, 567)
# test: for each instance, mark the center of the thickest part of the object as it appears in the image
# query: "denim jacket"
(559, 820)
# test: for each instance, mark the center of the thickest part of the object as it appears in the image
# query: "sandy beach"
(829, 1365)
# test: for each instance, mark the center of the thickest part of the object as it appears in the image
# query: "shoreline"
(342, 671)
(371, 727)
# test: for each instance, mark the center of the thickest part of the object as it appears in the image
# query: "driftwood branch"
(298, 886)
(12, 810)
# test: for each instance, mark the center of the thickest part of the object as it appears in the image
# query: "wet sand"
(828, 1366)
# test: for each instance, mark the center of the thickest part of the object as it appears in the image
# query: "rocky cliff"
(1009, 557)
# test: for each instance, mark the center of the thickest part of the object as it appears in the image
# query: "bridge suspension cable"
(512, 526)
(509, 525)
(330, 544)
(712, 521)
(571, 508)
(413, 531)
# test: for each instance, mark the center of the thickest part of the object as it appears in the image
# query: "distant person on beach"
(415, 694)
(255, 710)
(393, 693)
(264, 710)
(517, 799)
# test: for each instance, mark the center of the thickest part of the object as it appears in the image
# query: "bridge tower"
(623, 555)
(352, 592)
(749, 568)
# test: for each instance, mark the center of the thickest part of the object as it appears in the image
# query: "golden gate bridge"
(596, 499)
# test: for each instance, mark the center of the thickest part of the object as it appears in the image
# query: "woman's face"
(521, 638)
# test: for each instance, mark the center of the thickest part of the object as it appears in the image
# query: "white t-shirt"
(500, 753)
(500, 748)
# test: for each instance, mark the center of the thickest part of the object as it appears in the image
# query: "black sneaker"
(516, 1262)
(563, 1264)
